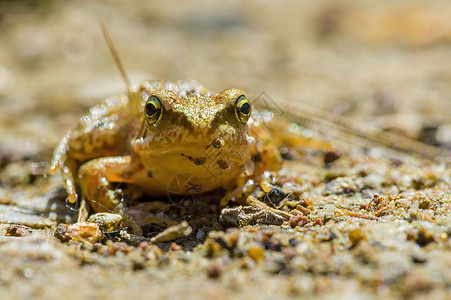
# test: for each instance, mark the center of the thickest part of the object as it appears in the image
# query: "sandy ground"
(385, 64)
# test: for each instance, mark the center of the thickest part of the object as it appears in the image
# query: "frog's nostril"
(218, 143)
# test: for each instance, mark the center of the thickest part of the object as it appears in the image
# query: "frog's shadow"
(57, 204)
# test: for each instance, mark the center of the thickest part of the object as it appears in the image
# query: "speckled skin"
(198, 133)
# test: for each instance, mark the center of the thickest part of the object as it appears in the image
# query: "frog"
(159, 130)
(164, 131)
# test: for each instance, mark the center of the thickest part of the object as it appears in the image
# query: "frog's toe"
(130, 221)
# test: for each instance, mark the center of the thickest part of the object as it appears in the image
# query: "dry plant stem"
(252, 201)
(173, 232)
(83, 211)
(334, 125)
(352, 214)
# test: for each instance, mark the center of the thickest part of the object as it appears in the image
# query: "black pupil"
(245, 108)
(151, 109)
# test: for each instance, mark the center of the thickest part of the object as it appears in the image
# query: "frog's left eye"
(243, 109)
(153, 110)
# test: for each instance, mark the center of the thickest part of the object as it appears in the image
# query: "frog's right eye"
(153, 110)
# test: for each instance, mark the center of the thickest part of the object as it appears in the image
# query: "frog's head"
(188, 129)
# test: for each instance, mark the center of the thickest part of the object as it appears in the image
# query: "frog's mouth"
(194, 156)
(192, 145)
(210, 168)
(198, 154)
(178, 149)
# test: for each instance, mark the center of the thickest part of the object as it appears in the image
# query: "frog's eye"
(243, 109)
(153, 110)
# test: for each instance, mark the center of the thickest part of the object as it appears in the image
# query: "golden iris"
(243, 109)
(153, 110)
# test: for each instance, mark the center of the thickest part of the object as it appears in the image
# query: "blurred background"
(384, 63)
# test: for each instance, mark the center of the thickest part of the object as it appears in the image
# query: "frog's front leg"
(95, 177)
(67, 166)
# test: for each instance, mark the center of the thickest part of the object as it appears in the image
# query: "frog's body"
(162, 129)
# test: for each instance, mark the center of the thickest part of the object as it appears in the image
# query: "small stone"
(200, 235)
(330, 157)
(288, 153)
(274, 196)
(214, 270)
(175, 247)
(298, 220)
(289, 188)
(416, 282)
(28, 273)
(340, 186)
(303, 210)
(257, 253)
(17, 231)
(424, 203)
(356, 236)
(266, 186)
(424, 238)
(318, 222)
(411, 235)
(107, 221)
(83, 232)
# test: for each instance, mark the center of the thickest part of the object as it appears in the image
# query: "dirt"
(368, 221)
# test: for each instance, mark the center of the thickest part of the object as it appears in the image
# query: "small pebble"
(289, 188)
(107, 221)
(298, 220)
(257, 253)
(330, 157)
(214, 270)
(266, 186)
(356, 236)
(274, 196)
(28, 273)
(200, 235)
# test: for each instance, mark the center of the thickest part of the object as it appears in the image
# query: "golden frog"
(160, 130)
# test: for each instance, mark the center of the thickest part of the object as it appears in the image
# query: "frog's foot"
(128, 220)
(95, 177)
(66, 167)
(248, 215)
(255, 213)
(144, 217)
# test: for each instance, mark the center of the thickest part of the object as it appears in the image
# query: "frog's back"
(106, 130)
